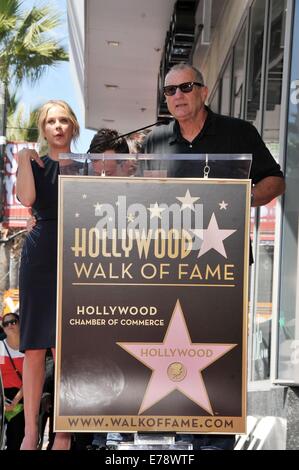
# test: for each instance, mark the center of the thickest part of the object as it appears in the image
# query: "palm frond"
(9, 12)
(6, 25)
(21, 127)
(37, 22)
(12, 102)
(15, 124)
(28, 48)
(10, 7)
(35, 62)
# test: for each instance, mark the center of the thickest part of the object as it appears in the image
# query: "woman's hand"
(10, 404)
(9, 407)
(29, 154)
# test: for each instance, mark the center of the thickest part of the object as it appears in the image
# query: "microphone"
(92, 147)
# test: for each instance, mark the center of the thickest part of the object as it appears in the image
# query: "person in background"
(129, 167)
(135, 140)
(196, 129)
(46, 413)
(105, 167)
(37, 187)
(106, 141)
(11, 366)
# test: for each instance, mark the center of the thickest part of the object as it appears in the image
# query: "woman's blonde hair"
(42, 116)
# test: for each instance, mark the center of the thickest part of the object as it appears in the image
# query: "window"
(268, 118)
(255, 62)
(226, 89)
(238, 75)
(288, 328)
(214, 102)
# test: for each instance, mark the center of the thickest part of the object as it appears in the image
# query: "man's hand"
(267, 189)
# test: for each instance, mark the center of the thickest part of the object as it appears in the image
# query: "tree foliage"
(19, 125)
(27, 44)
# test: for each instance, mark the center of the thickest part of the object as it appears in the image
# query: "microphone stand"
(163, 121)
(92, 147)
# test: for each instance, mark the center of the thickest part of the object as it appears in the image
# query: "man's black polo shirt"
(220, 135)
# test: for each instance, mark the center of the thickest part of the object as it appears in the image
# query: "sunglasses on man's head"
(9, 322)
(187, 87)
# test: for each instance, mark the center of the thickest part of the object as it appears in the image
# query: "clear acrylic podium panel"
(230, 166)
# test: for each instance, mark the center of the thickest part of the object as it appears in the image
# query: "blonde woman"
(37, 187)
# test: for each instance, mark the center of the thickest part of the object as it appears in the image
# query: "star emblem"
(97, 210)
(176, 363)
(213, 238)
(188, 201)
(130, 217)
(223, 205)
(84, 196)
(198, 232)
(77, 215)
(155, 211)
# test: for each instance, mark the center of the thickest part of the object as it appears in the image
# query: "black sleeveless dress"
(38, 268)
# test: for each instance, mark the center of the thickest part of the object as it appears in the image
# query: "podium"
(153, 258)
(155, 441)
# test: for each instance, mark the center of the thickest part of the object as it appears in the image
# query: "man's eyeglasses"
(9, 322)
(187, 87)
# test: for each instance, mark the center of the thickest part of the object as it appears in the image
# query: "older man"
(196, 129)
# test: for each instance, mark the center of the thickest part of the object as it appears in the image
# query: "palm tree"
(27, 49)
(19, 126)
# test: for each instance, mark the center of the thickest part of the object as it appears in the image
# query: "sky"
(57, 82)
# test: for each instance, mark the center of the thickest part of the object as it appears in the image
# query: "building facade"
(257, 80)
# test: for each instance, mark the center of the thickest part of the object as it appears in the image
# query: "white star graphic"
(155, 211)
(223, 205)
(77, 214)
(213, 238)
(198, 232)
(97, 210)
(188, 201)
(84, 196)
(131, 218)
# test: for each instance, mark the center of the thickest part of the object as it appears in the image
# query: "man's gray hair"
(185, 65)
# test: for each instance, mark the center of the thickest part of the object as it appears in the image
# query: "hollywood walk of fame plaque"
(152, 305)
